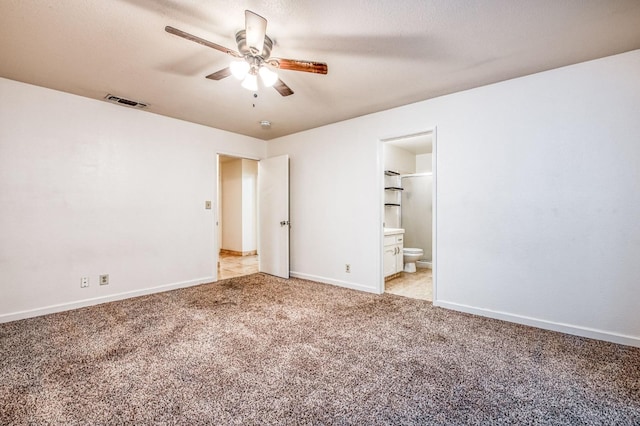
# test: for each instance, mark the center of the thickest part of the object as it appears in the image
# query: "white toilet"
(410, 256)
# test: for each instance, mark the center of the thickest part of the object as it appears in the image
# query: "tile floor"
(236, 266)
(418, 285)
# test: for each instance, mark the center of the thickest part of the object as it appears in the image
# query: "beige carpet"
(260, 350)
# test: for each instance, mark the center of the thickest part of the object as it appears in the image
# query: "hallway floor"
(418, 285)
(231, 266)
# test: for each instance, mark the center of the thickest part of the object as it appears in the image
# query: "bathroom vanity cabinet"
(393, 245)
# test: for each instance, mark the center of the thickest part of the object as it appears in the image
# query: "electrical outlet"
(104, 279)
(347, 268)
(84, 282)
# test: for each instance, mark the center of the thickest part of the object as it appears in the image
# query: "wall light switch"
(207, 205)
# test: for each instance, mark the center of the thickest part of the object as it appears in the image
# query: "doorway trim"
(434, 222)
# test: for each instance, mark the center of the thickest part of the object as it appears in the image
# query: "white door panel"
(273, 216)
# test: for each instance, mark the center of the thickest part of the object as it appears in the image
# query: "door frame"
(217, 205)
(434, 220)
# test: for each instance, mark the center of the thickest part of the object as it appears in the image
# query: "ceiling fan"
(253, 57)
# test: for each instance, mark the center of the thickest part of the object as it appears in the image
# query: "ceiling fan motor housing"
(241, 40)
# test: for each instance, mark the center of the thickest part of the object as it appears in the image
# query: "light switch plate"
(207, 205)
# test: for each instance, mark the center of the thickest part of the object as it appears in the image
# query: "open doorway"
(409, 240)
(237, 217)
(252, 224)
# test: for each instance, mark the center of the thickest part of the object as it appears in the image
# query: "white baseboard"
(14, 316)
(544, 324)
(519, 319)
(331, 281)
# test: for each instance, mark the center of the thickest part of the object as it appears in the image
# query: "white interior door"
(273, 216)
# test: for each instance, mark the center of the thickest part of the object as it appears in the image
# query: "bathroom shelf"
(394, 188)
(391, 173)
(391, 205)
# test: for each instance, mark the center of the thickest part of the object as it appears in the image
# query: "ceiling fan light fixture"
(239, 69)
(250, 82)
(254, 57)
(268, 77)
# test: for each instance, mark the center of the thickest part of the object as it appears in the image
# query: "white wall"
(239, 205)
(423, 163)
(398, 159)
(249, 205)
(537, 198)
(231, 188)
(89, 188)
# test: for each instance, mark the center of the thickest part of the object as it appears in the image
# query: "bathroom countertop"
(393, 231)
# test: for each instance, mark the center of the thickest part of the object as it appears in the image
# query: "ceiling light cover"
(250, 82)
(239, 69)
(269, 77)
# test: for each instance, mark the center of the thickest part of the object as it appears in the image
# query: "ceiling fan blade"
(219, 75)
(282, 88)
(297, 65)
(256, 29)
(201, 41)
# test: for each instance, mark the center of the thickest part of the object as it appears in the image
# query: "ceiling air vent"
(126, 102)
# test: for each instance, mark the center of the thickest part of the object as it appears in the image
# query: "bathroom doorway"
(408, 220)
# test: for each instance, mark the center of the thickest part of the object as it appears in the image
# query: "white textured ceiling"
(381, 53)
